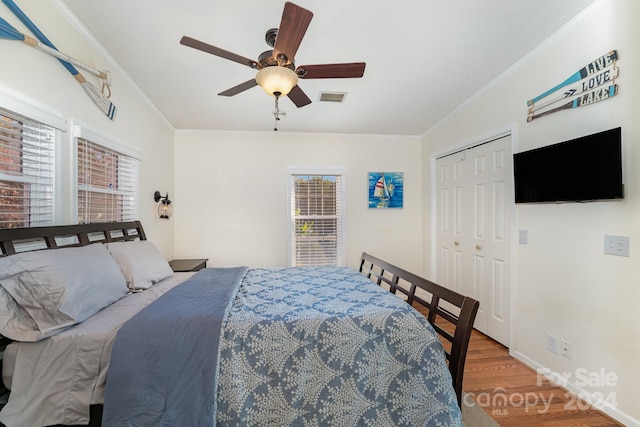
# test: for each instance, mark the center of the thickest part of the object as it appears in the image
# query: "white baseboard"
(557, 378)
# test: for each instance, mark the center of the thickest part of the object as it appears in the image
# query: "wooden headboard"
(450, 313)
(13, 240)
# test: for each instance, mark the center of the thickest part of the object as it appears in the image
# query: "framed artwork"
(386, 190)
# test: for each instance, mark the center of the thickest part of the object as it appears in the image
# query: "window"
(316, 219)
(26, 171)
(107, 181)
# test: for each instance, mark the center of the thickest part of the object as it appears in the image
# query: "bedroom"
(562, 283)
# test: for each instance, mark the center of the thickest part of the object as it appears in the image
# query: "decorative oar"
(7, 31)
(94, 93)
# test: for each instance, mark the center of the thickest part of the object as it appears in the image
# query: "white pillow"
(141, 263)
(58, 288)
(15, 321)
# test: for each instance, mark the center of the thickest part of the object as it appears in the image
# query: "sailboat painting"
(386, 190)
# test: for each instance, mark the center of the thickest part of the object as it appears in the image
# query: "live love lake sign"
(592, 83)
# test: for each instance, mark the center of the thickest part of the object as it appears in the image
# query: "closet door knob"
(478, 247)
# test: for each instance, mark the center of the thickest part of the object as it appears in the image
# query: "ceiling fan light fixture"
(277, 79)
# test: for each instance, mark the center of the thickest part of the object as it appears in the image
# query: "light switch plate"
(616, 245)
(523, 237)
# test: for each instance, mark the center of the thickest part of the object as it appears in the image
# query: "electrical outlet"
(565, 349)
(552, 343)
(616, 245)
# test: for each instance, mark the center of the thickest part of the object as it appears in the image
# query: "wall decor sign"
(386, 190)
(43, 43)
(592, 83)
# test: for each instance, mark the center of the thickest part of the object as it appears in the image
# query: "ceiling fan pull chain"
(275, 113)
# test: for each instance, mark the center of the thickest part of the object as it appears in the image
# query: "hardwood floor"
(509, 392)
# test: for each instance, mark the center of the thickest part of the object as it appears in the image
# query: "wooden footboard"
(446, 310)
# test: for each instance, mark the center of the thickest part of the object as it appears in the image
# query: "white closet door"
(473, 230)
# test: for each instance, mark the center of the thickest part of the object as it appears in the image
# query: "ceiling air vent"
(332, 96)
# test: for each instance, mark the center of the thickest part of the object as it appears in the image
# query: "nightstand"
(188, 264)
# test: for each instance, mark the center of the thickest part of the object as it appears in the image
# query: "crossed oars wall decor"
(7, 31)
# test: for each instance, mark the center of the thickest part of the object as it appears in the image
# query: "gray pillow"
(58, 288)
(141, 263)
(15, 322)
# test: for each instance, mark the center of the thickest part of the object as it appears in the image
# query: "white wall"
(231, 195)
(31, 76)
(564, 284)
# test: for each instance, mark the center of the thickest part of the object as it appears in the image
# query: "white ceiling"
(424, 57)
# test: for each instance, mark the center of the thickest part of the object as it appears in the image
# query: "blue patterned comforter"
(315, 346)
(324, 346)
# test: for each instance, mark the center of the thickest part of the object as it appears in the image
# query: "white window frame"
(46, 180)
(340, 203)
(84, 132)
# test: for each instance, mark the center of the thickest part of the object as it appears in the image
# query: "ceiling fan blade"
(239, 88)
(331, 71)
(205, 47)
(294, 23)
(299, 97)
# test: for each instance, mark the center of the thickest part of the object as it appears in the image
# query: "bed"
(292, 346)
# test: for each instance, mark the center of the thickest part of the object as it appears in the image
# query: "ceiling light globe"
(277, 79)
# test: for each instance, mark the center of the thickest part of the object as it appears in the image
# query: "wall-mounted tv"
(579, 170)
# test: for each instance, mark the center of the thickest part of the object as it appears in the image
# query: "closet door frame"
(434, 215)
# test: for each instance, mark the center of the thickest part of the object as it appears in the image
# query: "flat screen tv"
(579, 170)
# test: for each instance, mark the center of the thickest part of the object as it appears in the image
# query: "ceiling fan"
(277, 73)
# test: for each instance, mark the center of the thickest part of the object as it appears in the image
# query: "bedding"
(54, 381)
(298, 346)
(305, 346)
(163, 364)
(45, 292)
(141, 263)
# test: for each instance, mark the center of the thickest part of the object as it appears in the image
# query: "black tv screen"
(579, 170)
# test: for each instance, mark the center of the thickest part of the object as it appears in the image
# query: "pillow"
(57, 289)
(141, 263)
(15, 321)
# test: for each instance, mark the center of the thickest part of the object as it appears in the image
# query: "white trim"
(96, 137)
(19, 103)
(541, 47)
(592, 398)
(316, 170)
(81, 130)
(319, 170)
(44, 172)
(91, 39)
(489, 136)
(88, 188)
(505, 131)
(475, 141)
(283, 133)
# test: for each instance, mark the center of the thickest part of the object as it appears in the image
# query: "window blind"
(316, 220)
(107, 182)
(27, 165)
